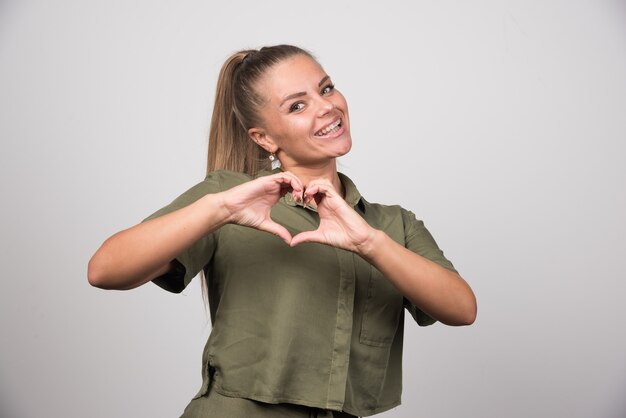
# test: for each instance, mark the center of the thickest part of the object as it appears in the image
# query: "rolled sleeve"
(193, 259)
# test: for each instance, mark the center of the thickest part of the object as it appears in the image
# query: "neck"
(307, 174)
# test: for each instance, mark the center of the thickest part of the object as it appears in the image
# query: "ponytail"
(236, 110)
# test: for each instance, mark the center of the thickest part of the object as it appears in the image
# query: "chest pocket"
(381, 311)
(383, 303)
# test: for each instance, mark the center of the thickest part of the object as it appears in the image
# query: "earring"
(274, 161)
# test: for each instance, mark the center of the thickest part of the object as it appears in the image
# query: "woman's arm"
(439, 292)
(143, 252)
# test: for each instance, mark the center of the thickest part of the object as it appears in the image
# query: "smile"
(333, 127)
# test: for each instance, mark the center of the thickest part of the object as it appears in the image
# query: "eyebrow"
(292, 96)
(302, 93)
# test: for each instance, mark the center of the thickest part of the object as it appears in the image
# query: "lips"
(330, 128)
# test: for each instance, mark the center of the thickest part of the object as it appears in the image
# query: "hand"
(340, 226)
(250, 204)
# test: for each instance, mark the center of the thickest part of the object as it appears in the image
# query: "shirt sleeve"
(420, 241)
(193, 259)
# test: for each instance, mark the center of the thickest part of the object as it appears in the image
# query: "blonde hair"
(236, 109)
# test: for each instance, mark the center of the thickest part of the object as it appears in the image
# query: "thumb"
(278, 230)
(307, 236)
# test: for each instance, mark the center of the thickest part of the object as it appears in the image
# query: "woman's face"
(305, 118)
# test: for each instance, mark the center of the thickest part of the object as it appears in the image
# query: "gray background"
(500, 123)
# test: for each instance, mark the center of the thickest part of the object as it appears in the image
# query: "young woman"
(307, 281)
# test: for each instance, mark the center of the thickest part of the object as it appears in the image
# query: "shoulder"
(381, 216)
(400, 223)
(224, 179)
(393, 219)
(381, 210)
(214, 182)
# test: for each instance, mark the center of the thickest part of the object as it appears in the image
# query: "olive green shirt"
(311, 325)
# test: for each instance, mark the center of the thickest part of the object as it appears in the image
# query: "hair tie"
(248, 55)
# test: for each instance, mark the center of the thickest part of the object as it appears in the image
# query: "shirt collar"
(353, 197)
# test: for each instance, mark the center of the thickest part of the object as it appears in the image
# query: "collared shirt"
(312, 325)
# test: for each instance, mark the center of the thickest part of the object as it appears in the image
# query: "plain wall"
(499, 123)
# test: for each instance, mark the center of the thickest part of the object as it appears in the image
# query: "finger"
(290, 183)
(320, 187)
(297, 188)
(276, 229)
(318, 190)
(307, 236)
(289, 178)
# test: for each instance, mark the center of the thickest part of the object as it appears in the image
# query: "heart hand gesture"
(340, 226)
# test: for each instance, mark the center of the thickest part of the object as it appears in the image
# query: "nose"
(325, 106)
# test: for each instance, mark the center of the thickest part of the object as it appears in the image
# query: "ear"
(262, 139)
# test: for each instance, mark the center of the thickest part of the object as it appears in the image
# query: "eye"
(328, 89)
(296, 106)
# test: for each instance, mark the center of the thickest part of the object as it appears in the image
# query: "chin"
(346, 147)
(346, 151)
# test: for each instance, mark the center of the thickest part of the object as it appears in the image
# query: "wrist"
(368, 247)
(215, 206)
(224, 208)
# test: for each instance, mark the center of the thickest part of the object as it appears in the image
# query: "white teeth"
(330, 128)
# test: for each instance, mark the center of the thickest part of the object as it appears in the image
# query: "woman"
(307, 281)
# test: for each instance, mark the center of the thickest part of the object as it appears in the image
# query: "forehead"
(299, 73)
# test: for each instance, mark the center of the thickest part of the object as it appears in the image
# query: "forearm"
(439, 292)
(137, 255)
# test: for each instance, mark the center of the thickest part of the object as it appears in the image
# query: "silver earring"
(275, 161)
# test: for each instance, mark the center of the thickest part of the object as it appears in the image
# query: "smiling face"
(305, 119)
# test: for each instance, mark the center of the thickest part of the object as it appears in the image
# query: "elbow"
(470, 316)
(97, 274)
(468, 307)
(464, 315)
(469, 313)
(461, 319)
